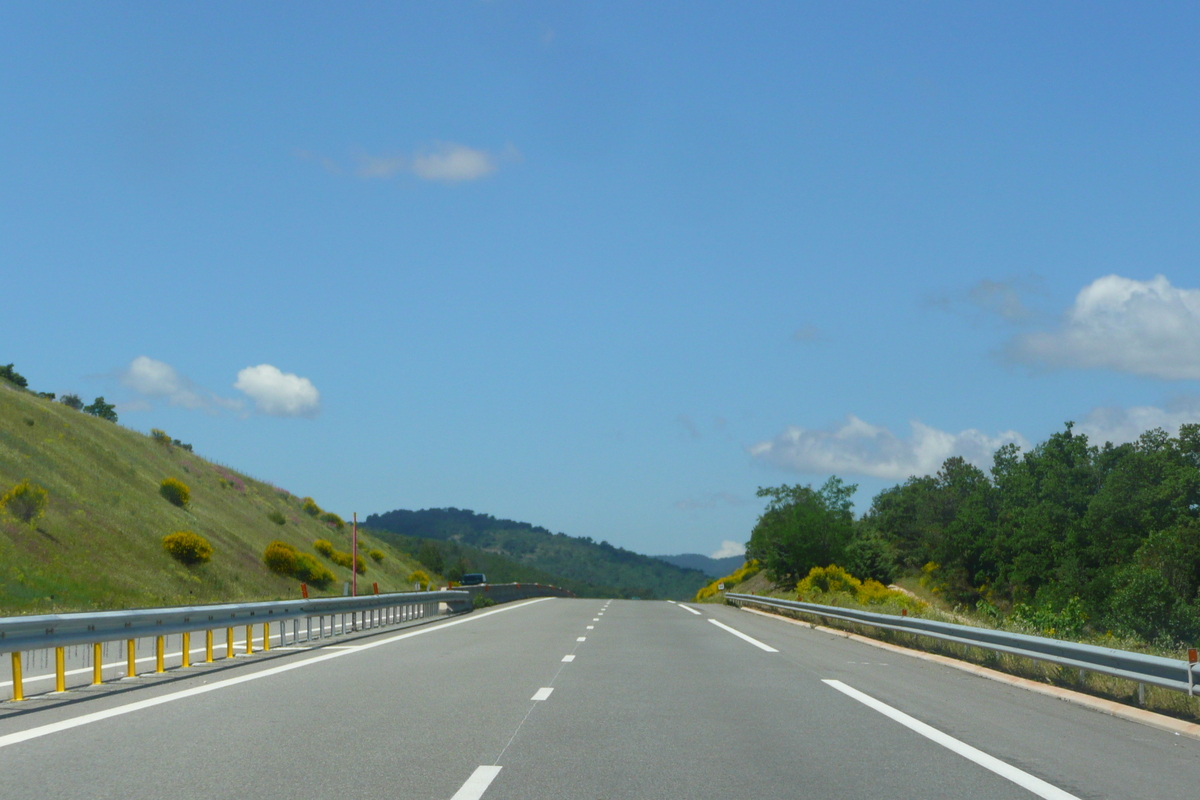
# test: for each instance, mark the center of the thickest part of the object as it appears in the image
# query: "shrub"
(101, 409)
(420, 579)
(160, 437)
(341, 559)
(324, 547)
(46, 395)
(277, 517)
(479, 601)
(188, 548)
(377, 555)
(281, 558)
(175, 492)
(71, 401)
(742, 573)
(828, 580)
(12, 376)
(833, 580)
(26, 501)
(360, 565)
(330, 518)
(311, 571)
(310, 507)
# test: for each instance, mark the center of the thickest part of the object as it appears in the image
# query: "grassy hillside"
(625, 573)
(99, 544)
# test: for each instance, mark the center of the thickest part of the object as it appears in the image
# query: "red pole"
(354, 560)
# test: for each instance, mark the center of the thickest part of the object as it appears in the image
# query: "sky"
(611, 267)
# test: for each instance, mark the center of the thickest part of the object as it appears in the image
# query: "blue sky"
(604, 267)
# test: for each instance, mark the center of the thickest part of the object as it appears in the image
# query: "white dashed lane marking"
(477, 784)
(743, 636)
(1023, 779)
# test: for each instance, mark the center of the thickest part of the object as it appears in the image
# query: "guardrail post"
(158, 654)
(266, 636)
(229, 642)
(186, 648)
(97, 664)
(249, 639)
(60, 672)
(208, 646)
(18, 692)
(131, 658)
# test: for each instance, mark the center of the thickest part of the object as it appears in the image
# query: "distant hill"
(452, 559)
(713, 567)
(99, 544)
(572, 560)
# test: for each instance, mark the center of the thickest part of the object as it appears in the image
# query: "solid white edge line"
(543, 693)
(1004, 770)
(477, 784)
(689, 608)
(568, 659)
(741, 635)
(128, 708)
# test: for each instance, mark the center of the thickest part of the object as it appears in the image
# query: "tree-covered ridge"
(1107, 534)
(574, 559)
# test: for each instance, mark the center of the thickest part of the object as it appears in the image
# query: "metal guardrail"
(61, 630)
(508, 592)
(57, 631)
(1169, 673)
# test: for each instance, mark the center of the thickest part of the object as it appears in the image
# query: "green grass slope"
(99, 544)
(623, 573)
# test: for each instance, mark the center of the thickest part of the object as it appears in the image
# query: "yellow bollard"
(131, 658)
(208, 647)
(249, 639)
(60, 671)
(266, 636)
(187, 656)
(229, 642)
(158, 654)
(97, 664)
(18, 686)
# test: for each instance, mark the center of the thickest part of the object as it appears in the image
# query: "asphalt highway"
(584, 700)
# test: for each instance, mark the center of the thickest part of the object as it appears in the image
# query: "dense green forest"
(1069, 533)
(454, 559)
(574, 561)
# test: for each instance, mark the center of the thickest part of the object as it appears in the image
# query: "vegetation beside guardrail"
(1152, 692)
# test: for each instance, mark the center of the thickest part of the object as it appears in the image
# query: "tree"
(101, 409)
(430, 556)
(12, 376)
(803, 528)
(71, 401)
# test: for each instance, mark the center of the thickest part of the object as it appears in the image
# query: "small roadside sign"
(721, 586)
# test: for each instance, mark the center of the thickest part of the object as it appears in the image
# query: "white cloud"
(279, 394)
(729, 548)
(452, 163)
(1000, 297)
(1146, 328)
(380, 166)
(158, 379)
(859, 448)
(1119, 425)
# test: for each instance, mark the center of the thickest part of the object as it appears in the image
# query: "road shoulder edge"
(1110, 707)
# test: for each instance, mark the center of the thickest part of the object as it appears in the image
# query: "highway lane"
(657, 701)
